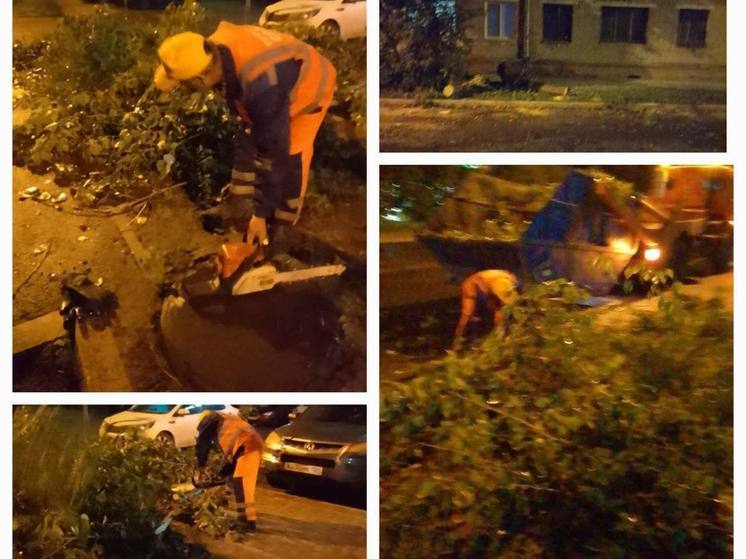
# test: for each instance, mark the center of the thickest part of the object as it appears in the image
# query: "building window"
(692, 28)
(499, 22)
(624, 25)
(557, 23)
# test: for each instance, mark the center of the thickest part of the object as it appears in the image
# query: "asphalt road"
(567, 129)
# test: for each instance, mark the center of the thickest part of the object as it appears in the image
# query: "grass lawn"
(612, 93)
(617, 94)
(36, 8)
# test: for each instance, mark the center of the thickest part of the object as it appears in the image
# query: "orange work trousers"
(244, 482)
(303, 131)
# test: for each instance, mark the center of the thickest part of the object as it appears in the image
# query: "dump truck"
(590, 228)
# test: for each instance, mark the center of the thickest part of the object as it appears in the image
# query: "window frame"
(630, 35)
(706, 10)
(499, 3)
(558, 6)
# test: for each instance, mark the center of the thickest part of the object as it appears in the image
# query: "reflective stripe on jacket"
(256, 51)
(271, 78)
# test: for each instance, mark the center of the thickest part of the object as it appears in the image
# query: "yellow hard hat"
(182, 58)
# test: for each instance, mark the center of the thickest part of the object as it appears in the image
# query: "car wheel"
(330, 27)
(165, 438)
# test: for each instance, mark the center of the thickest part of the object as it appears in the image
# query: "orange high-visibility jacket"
(270, 78)
(231, 434)
(235, 434)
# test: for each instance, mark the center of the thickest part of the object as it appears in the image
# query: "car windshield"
(159, 409)
(335, 414)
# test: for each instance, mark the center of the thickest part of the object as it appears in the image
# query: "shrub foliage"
(97, 121)
(87, 499)
(562, 438)
(423, 44)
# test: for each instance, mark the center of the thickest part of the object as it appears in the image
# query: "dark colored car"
(270, 416)
(324, 442)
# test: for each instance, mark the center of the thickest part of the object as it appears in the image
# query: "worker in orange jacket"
(487, 290)
(241, 447)
(281, 89)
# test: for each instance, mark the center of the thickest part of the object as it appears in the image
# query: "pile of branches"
(564, 439)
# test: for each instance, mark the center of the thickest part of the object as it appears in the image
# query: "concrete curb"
(39, 331)
(398, 102)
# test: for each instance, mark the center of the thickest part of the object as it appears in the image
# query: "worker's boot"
(245, 526)
(234, 211)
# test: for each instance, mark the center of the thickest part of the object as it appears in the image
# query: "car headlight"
(272, 447)
(357, 449)
(307, 15)
(652, 254)
(146, 426)
(273, 441)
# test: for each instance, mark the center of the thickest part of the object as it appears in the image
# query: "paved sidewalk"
(292, 526)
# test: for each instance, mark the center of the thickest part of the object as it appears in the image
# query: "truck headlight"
(624, 246)
(652, 254)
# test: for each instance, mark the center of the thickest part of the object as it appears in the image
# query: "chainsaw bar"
(204, 281)
(265, 277)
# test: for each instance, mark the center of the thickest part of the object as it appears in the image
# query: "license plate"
(302, 468)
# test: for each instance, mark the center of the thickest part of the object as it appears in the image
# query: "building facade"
(657, 39)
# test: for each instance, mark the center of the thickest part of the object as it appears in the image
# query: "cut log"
(554, 89)
(451, 91)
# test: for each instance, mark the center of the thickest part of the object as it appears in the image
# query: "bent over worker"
(281, 89)
(241, 447)
(486, 290)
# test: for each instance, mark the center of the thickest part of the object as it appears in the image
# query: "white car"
(172, 425)
(342, 18)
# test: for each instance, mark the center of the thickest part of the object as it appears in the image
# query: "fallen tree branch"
(142, 209)
(127, 206)
(36, 268)
(116, 210)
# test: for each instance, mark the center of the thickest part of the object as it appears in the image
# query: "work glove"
(234, 211)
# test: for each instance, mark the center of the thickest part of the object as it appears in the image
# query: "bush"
(564, 439)
(98, 122)
(87, 498)
(423, 44)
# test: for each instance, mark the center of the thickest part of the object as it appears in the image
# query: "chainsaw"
(184, 492)
(241, 268)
